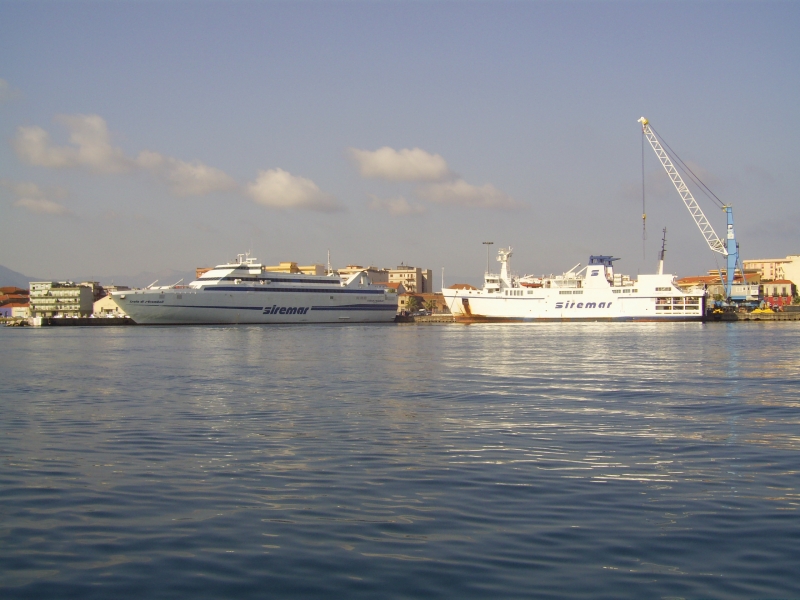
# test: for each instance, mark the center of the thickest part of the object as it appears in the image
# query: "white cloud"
(91, 146)
(277, 188)
(32, 198)
(401, 165)
(33, 146)
(42, 206)
(186, 178)
(7, 93)
(397, 206)
(461, 193)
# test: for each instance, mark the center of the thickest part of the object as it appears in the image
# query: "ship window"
(615, 291)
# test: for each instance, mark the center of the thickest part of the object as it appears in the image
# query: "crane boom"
(730, 249)
(711, 237)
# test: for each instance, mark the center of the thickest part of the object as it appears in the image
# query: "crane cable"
(688, 172)
(644, 213)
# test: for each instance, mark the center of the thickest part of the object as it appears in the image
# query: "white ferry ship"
(594, 293)
(245, 292)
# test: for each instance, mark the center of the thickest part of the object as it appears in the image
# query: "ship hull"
(540, 305)
(483, 319)
(255, 306)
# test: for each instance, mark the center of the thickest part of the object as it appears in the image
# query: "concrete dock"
(734, 317)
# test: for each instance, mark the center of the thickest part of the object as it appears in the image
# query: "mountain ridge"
(9, 277)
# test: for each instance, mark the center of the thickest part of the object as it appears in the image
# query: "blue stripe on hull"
(261, 308)
(478, 319)
(358, 307)
(217, 288)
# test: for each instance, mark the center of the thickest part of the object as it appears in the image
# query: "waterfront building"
(423, 300)
(98, 291)
(414, 279)
(13, 291)
(13, 295)
(14, 310)
(777, 268)
(20, 311)
(13, 302)
(376, 276)
(712, 284)
(396, 286)
(60, 299)
(106, 307)
(779, 292)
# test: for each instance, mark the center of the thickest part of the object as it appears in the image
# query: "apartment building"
(776, 268)
(414, 279)
(60, 299)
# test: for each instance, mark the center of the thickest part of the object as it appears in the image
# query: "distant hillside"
(9, 277)
(145, 278)
(164, 277)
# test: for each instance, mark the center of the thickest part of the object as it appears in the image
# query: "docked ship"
(593, 293)
(244, 291)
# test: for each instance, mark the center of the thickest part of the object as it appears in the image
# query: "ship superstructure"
(244, 291)
(593, 293)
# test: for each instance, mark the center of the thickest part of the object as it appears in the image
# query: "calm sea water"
(486, 461)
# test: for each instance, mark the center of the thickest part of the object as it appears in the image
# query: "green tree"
(412, 304)
(430, 305)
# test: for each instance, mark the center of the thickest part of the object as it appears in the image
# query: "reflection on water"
(547, 460)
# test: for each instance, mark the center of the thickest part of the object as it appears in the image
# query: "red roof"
(708, 279)
(14, 291)
(6, 299)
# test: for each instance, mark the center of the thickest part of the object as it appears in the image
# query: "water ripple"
(581, 460)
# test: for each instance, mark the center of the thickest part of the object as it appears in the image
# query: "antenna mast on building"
(488, 247)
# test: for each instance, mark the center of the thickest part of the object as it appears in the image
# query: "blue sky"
(150, 135)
